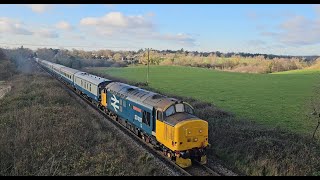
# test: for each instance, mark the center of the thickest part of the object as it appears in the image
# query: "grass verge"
(44, 131)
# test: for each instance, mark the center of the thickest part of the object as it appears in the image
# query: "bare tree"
(315, 115)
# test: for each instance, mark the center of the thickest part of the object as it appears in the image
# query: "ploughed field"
(276, 100)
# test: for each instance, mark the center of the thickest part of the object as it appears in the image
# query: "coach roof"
(70, 70)
(96, 80)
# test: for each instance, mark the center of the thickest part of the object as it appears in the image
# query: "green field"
(277, 100)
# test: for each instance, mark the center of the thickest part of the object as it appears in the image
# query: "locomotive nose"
(192, 134)
(191, 141)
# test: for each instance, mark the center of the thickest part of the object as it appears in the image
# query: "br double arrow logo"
(114, 103)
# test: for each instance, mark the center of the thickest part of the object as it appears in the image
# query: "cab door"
(160, 127)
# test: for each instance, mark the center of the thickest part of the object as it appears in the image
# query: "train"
(168, 124)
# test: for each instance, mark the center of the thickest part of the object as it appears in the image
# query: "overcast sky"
(272, 29)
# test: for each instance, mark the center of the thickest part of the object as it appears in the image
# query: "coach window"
(146, 118)
(90, 87)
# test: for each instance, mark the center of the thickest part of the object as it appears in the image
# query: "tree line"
(237, 62)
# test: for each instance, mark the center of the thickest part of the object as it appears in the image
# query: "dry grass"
(44, 131)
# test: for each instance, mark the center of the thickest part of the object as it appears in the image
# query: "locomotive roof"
(96, 80)
(139, 95)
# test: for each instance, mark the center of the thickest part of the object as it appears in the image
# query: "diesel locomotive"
(167, 123)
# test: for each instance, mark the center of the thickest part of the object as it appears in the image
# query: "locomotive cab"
(184, 135)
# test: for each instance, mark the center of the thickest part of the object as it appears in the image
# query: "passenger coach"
(90, 85)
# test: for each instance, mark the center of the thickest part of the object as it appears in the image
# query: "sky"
(286, 29)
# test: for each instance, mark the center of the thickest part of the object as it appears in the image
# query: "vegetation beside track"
(45, 131)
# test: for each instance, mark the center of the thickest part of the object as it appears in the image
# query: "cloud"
(131, 27)
(296, 23)
(64, 25)
(12, 26)
(298, 31)
(47, 33)
(181, 38)
(8, 25)
(114, 21)
(39, 8)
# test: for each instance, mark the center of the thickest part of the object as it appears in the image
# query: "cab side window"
(146, 118)
(159, 115)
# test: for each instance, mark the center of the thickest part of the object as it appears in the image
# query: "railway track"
(196, 169)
